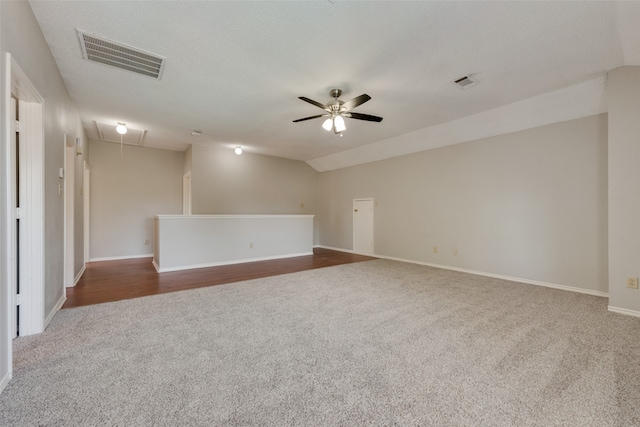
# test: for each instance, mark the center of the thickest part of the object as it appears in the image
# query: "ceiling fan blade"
(309, 118)
(366, 117)
(358, 100)
(311, 101)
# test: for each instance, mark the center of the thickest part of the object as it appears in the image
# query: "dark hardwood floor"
(107, 281)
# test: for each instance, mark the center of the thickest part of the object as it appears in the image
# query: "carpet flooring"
(372, 343)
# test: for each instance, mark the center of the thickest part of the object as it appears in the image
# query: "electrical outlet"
(251, 245)
(146, 242)
(455, 251)
(435, 249)
(632, 282)
(301, 205)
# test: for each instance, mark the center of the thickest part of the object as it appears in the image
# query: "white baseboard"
(115, 258)
(482, 273)
(235, 261)
(5, 380)
(58, 306)
(349, 251)
(155, 265)
(78, 276)
(624, 311)
(503, 277)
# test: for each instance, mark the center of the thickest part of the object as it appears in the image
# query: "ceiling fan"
(337, 110)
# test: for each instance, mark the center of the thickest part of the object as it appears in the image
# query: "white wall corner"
(57, 307)
(79, 275)
(4, 381)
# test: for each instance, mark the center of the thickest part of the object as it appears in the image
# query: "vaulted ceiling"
(235, 70)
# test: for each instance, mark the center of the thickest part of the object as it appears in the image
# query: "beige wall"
(530, 204)
(225, 183)
(126, 192)
(22, 38)
(623, 95)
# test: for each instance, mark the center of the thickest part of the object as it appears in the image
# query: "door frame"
(364, 199)
(68, 177)
(86, 200)
(30, 102)
(31, 106)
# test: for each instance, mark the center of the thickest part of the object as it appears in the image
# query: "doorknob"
(355, 210)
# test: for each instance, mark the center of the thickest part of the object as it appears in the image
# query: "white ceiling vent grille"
(98, 49)
(465, 82)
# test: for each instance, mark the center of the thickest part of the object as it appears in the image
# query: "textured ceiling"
(234, 70)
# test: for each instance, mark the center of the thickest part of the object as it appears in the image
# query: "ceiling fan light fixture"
(337, 110)
(121, 128)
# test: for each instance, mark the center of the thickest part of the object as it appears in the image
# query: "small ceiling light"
(328, 124)
(196, 132)
(339, 123)
(238, 150)
(121, 128)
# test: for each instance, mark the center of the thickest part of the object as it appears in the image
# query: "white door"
(363, 226)
(69, 178)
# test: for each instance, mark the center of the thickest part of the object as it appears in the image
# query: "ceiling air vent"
(465, 82)
(98, 49)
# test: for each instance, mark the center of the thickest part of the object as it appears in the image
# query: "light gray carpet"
(371, 343)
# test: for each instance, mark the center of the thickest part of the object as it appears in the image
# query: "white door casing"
(30, 105)
(17, 152)
(69, 208)
(363, 226)
(86, 195)
(186, 194)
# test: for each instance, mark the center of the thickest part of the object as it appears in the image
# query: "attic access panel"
(99, 49)
(132, 137)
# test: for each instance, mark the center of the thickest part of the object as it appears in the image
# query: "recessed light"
(196, 132)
